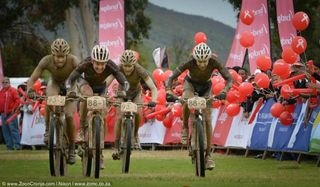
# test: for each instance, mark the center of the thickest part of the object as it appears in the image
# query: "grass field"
(159, 168)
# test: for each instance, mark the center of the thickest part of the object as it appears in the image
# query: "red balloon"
(42, 111)
(137, 55)
(262, 80)
(286, 118)
(178, 90)
(276, 109)
(286, 91)
(246, 88)
(264, 62)
(176, 110)
(216, 89)
(200, 37)
(37, 85)
(159, 117)
(300, 21)
(162, 97)
(246, 39)
(234, 74)
(233, 109)
(247, 16)
(289, 56)
(167, 122)
(232, 96)
(217, 79)
(299, 44)
(290, 108)
(216, 103)
(281, 68)
(158, 75)
(167, 74)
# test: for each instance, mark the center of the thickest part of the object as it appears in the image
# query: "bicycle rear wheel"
(57, 160)
(96, 135)
(199, 150)
(126, 152)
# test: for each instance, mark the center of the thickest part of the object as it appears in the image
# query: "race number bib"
(56, 100)
(197, 103)
(96, 103)
(129, 107)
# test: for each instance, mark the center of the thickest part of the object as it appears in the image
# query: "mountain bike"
(129, 110)
(197, 143)
(91, 148)
(58, 140)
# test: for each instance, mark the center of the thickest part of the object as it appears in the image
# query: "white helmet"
(201, 52)
(128, 57)
(100, 53)
(60, 47)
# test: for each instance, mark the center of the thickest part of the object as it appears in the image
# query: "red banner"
(259, 29)
(285, 13)
(222, 128)
(112, 27)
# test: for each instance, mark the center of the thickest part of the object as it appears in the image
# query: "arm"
(226, 75)
(117, 74)
(109, 80)
(176, 74)
(153, 88)
(36, 73)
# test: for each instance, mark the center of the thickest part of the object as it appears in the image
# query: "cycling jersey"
(86, 71)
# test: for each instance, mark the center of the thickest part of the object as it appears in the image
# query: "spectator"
(9, 104)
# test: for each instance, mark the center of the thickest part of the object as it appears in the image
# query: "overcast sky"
(218, 10)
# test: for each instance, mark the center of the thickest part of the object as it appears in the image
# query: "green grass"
(162, 168)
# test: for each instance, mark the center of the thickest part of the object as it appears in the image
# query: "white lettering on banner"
(236, 57)
(262, 10)
(286, 41)
(265, 116)
(263, 51)
(176, 135)
(285, 18)
(216, 135)
(260, 31)
(283, 129)
(262, 129)
(111, 25)
(118, 42)
(223, 117)
(113, 7)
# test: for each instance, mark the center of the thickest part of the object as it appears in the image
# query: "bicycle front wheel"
(97, 125)
(199, 150)
(57, 159)
(125, 156)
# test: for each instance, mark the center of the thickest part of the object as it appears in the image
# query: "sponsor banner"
(315, 134)
(239, 132)
(33, 128)
(300, 137)
(222, 127)
(285, 13)
(259, 29)
(152, 132)
(112, 27)
(282, 133)
(173, 134)
(261, 127)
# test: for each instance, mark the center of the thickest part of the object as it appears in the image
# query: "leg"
(117, 134)
(188, 92)
(86, 90)
(137, 121)
(6, 133)
(209, 160)
(52, 89)
(70, 110)
(14, 131)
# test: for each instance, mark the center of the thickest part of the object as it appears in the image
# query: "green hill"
(170, 28)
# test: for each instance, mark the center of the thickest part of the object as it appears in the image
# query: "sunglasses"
(127, 66)
(202, 61)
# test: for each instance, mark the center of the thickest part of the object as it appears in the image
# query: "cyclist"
(89, 77)
(198, 81)
(134, 73)
(60, 64)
